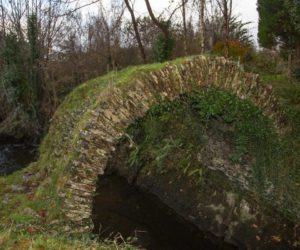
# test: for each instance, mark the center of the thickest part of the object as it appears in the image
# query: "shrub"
(236, 49)
(265, 63)
(163, 48)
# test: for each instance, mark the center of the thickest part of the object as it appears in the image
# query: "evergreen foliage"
(20, 78)
(164, 43)
(163, 48)
(279, 23)
(13, 77)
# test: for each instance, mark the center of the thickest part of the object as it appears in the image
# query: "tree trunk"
(289, 70)
(184, 27)
(163, 27)
(226, 8)
(297, 55)
(110, 63)
(2, 19)
(226, 23)
(137, 34)
(202, 25)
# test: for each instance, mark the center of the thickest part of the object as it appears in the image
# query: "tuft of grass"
(33, 240)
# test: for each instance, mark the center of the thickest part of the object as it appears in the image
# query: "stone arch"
(121, 105)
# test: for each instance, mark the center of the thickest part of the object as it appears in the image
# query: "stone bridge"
(118, 105)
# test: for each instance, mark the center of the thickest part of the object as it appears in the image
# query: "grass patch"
(33, 240)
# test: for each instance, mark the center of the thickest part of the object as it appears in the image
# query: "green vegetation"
(287, 91)
(167, 141)
(20, 81)
(279, 23)
(27, 219)
(43, 57)
(163, 48)
(32, 239)
(39, 194)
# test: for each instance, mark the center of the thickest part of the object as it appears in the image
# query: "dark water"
(124, 209)
(15, 155)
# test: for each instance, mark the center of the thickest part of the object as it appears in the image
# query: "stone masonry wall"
(120, 106)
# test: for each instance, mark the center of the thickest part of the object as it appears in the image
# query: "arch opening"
(197, 156)
(124, 212)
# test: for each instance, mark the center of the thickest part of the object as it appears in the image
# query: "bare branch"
(78, 8)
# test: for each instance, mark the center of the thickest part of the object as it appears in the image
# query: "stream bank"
(15, 155)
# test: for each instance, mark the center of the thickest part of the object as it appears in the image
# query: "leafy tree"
(163, 48)
(13, 76)
(235, 50)
(279, 23)
(294, 9)
(20, 79)
(165, 43)
(238, 31)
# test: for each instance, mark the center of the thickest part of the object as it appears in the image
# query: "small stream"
(15, 155)
(123, 209)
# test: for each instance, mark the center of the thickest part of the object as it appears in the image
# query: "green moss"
(169, 142)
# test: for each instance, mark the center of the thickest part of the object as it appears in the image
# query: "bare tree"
(226, 9)
(202, 4)
(112, 21)
(163, 26)
(183, 3)
(16, 10)
(3, 28)
(136, 31)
